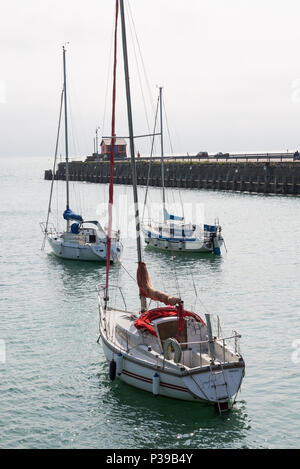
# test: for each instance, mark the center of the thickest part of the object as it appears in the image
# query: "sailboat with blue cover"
(174, 234)
(84, 240)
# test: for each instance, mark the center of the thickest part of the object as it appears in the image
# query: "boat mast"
(66, 133)
(131, 142)
(162, 151)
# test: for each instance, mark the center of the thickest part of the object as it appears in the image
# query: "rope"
(169, 135)
(131, 276)
(107, 79)
(139, 74)
(112, 151)
(176, 279)
(141, 57)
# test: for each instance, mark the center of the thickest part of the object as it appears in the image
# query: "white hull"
(144, 365)
(84, 252)
(186, 246)
(194, 386)
(174, 236)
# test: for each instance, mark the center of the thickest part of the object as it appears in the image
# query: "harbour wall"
(252, 177)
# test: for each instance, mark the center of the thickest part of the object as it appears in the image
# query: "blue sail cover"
(75, 228)
(210, 228)
(69, 215)
(168, 216)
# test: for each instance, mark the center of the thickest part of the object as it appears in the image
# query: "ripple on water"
(54, 386)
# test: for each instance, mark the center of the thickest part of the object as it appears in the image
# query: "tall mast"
(162, 150)
(131, 142)
(66, 133)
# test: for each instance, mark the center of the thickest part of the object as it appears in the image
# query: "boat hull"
(185, 246)
(84, 252)
(203, 386)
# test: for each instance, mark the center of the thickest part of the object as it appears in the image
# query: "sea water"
(55, 390)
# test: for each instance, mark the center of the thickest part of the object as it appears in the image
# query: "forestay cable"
(54, 166)
(112, 151)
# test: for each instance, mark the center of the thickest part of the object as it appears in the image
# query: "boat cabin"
(88, 232)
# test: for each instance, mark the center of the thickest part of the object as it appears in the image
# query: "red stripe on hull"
(149, 380)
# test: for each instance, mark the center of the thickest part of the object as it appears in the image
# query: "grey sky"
(230, 71)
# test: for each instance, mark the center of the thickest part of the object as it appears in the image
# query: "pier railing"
(230, 157)
(268, 156)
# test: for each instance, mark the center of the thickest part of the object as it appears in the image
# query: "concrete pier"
(253, 177)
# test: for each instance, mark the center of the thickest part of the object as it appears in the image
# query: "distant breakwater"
(252, 177)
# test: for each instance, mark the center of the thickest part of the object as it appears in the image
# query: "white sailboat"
(84, 240)
(174, 234)
(166, 350)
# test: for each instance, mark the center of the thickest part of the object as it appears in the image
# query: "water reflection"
(76, 274)
(168, 423)
(184, 259)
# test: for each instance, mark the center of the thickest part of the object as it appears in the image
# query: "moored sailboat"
(174, 233)
(167, 350)
(84, 240)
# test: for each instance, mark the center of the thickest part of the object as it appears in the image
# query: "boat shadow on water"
(84, 270)
(171, 422)
(185, 259)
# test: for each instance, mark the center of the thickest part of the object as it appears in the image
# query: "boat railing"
(205, 346)
(152, 222)
(198, 231)
(115, 235)
(48, 228)
(101, 288)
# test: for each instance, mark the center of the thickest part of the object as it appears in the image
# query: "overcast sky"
(230, 71)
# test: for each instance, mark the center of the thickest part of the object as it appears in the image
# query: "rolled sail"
(69, 215)
(147, 290)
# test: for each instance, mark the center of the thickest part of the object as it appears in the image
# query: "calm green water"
(54, 385)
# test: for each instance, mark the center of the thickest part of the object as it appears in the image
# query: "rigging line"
(108, 77)
(112, 150)
(203, 305)
(181, 205)
(176, 279)
(131, 276)
(54, 166)
(57, 203)
(170, 143)
(169, 135)
(76, 148)
(172, 151)
(145, 75)
(194, 284)
(196, 294)
(142, 61)
(150, 162)
(138, 69)
(73, 129)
